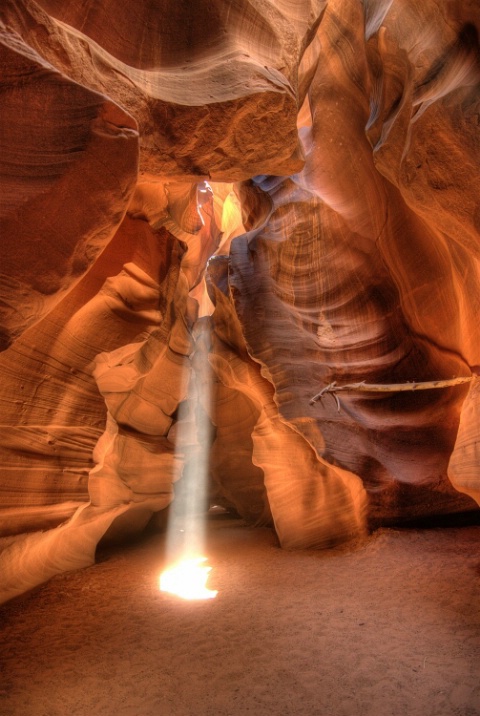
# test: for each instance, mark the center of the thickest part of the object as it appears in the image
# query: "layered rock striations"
(326, 156)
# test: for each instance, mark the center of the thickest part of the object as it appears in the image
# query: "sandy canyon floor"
(390, 628)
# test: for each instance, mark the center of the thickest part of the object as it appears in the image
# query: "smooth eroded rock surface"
(210, 213)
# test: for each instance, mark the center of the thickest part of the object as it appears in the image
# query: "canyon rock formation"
(210, 213)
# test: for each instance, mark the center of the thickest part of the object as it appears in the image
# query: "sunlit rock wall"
(341, 143)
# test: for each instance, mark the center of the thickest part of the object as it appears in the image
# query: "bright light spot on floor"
(188, 579)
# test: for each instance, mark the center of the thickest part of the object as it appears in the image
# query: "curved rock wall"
(341, 143)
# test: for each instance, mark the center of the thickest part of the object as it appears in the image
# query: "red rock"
(347, 242)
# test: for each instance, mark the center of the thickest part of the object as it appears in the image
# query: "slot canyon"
(241, 238)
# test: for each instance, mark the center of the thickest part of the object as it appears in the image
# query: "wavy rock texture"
(341, 143)
(313, 504)
(57, 137)
(213, 108)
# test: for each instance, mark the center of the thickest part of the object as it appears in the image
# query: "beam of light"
(186, 573)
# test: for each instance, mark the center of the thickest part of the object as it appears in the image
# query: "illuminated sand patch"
(188, 579)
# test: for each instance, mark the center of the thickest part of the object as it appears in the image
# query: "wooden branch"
(364, 387)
